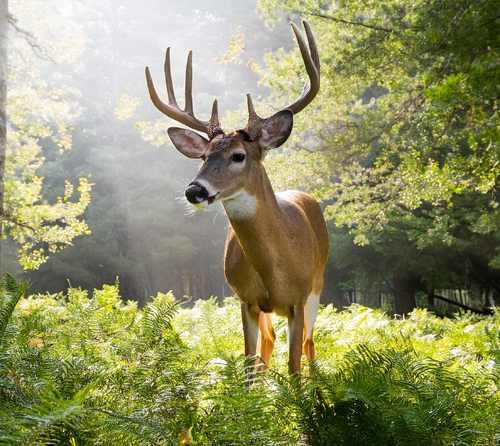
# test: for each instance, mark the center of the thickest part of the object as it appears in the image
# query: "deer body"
(277, 244)
(275, 261)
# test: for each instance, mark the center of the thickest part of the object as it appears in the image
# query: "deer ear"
(189, 143)
(276, 129)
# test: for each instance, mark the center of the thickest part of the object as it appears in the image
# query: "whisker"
(189, 209)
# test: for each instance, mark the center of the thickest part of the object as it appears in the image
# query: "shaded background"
(142, 233)
(426, 229)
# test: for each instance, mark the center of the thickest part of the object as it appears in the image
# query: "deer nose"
(196, 193)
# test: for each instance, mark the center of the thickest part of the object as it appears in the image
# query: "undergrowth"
(94, 370)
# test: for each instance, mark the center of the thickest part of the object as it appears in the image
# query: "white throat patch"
(240, 206)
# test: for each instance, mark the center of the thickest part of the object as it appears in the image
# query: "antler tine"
(214, 117)
(252, 115)
(309, 57)
(172, 110)
(188, 107)
(159, 104)
(312, 46)
(254, 120)
(214, 127)
(306, 57)
(168, 79)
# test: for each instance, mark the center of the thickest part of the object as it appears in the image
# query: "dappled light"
(258, 222)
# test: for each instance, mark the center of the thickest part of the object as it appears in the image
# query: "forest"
(117, 325)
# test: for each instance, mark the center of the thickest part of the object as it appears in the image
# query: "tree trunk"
(405, 288)
(430, 298)
(4, 9)
(491, 298)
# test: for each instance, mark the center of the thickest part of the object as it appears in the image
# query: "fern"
(11, 292)
(157, 318)
(83, 370)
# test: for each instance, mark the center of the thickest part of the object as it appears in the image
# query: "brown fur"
(276, 259)
(276, 249)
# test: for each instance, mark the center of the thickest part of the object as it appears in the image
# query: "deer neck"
(257, 221)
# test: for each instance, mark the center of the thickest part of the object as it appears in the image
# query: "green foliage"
(12, 293)
(405, 129)
(76, 369)
(41, 115)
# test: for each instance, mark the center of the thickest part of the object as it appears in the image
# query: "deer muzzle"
(196, 193)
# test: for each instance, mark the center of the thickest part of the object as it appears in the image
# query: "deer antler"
(310, 57)
(172, 110)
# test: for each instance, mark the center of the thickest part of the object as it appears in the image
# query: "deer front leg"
(250, 319)
(295, 333)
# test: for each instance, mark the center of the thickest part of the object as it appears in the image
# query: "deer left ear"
(276, 130)
(187, 142)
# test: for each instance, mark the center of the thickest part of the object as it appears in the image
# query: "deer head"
(232, 161)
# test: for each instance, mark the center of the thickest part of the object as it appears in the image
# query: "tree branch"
(349, 22)
(29, 38)
(465, 307)
(411, 104)
(14, 221)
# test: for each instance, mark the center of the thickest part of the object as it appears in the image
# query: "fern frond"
(11, 291)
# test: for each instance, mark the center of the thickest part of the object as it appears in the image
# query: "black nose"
(195, 193)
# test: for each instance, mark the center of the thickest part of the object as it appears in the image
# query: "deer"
(277, 244)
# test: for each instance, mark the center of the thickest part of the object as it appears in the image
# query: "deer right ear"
(276, 129)
(189, 143)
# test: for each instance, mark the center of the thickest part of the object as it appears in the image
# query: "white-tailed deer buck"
(277, 243)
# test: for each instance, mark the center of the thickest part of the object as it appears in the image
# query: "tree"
(406, 132)
(4, 11)
(40, 114)
(142, 231)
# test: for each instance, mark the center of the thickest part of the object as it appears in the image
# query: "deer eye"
(238, 157)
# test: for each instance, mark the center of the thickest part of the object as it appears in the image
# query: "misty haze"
(313, 260)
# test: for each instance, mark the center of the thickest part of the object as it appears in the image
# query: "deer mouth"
(206, 202)
(211, 199)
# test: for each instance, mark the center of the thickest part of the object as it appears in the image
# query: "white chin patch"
(242, 205)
